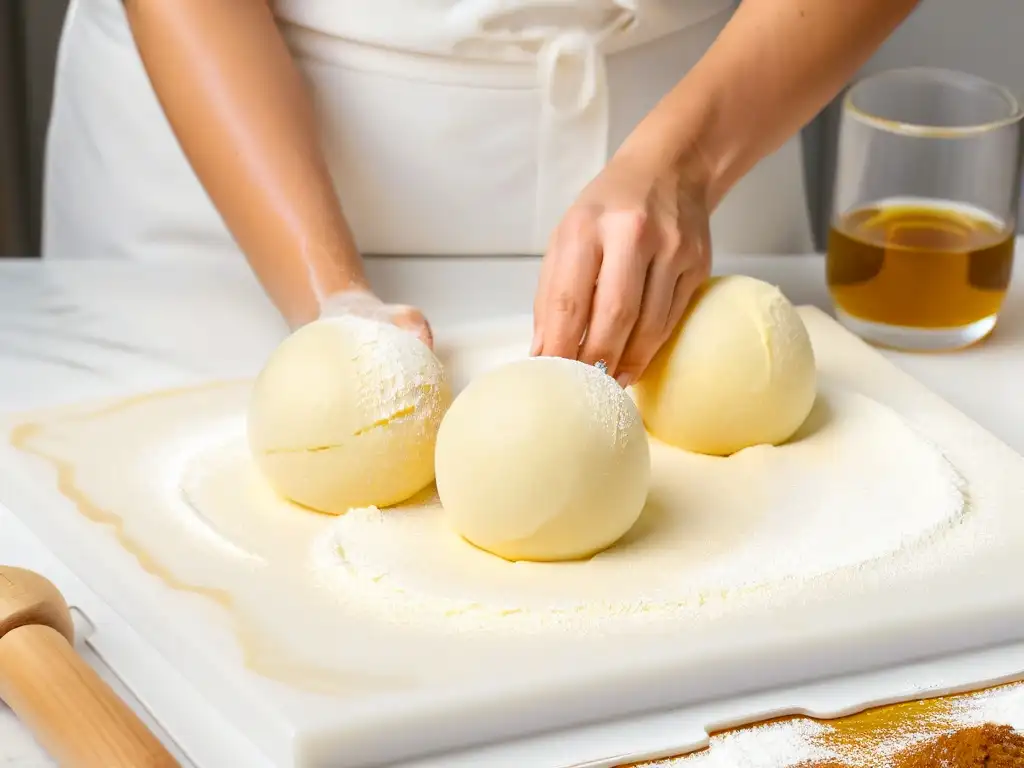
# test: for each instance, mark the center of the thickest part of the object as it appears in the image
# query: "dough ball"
(738, 371)
(543, 459)
(345, 414)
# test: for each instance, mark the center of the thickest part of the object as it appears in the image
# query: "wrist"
(348, 301)
(675, 143)
(688, 134)
(302, 294)
(344, 268)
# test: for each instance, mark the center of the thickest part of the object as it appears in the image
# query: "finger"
(687, 286)
(566, 305)
(618, 296)
(648, 333)
(412, 320)
(426, 335)
(540, 296)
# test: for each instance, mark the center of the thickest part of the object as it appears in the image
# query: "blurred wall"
(29, 31)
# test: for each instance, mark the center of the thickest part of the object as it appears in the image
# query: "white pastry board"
(393, 692)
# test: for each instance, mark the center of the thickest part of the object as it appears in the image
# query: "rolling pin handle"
(67, 706)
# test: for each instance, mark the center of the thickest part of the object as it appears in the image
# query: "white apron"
(451, 127)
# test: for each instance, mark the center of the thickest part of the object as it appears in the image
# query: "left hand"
(621, 267)
(360, 302)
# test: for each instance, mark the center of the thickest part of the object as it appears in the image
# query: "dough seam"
(401, 413)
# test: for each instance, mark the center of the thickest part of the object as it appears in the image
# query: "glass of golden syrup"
(928, 183)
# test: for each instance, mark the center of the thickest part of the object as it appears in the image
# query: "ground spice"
(984, 729)
(983, 746)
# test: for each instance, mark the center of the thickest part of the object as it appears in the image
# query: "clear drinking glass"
(921, 243)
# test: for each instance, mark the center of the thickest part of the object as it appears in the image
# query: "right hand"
(622, 267)
(363, 303)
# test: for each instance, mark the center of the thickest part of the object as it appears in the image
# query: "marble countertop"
(77, 330)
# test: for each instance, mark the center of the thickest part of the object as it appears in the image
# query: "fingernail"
(535, 346)
(624, 380)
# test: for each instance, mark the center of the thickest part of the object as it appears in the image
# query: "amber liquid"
(919, 264)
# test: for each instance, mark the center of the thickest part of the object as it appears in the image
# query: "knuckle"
(597, 345)
(577, 223)
(620, 313)
(565, 304)
(672, 243)
(633, 221)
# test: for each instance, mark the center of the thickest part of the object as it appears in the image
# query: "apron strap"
(574, 109)
(573, 131)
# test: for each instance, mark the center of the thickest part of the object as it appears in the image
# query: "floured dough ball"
(345, 414)
(738, 371)
(542, 459)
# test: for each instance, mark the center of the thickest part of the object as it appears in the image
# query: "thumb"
(412, 320)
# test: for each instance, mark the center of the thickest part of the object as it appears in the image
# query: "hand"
(362, 303)
(621, 268)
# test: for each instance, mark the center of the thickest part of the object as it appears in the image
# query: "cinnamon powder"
(982, 746)
(969, 730)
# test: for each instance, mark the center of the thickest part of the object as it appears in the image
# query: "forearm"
(775, 65)
(244, 118)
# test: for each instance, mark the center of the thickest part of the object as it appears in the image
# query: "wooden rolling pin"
(70, 710)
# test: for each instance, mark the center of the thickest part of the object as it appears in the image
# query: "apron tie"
(573, 130)
(573, 135)
(578, 50)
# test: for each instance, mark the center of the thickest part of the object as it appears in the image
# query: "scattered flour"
(604, 396)
(859, 492)
(760, 525)
(395, 379)
(778, 745)
(1002, 706)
